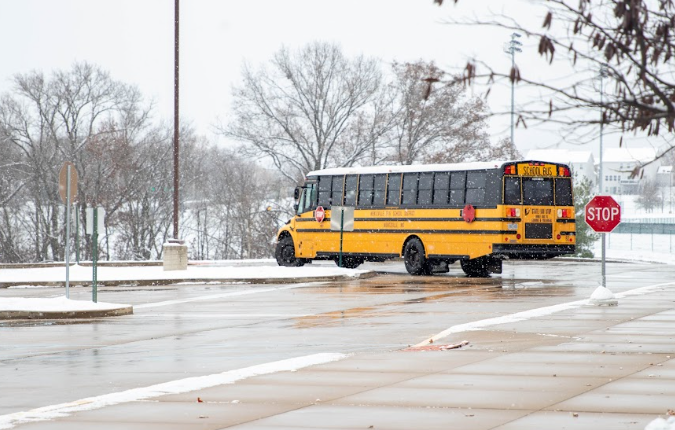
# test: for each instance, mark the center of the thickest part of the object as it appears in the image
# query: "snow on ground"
(223, 270)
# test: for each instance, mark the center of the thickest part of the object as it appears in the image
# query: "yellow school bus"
(434, 215)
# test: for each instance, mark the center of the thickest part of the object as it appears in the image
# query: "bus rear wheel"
(476, 267)
(285, 253)
(349, 262)
(413, 256)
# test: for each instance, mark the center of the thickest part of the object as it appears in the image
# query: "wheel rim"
(287, 254)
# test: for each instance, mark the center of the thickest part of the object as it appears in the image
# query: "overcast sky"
(133, 40)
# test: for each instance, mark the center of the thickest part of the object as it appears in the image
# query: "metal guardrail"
(665, 220)
(645, 228)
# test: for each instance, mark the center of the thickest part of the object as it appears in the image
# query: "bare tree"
(50, 120)
(630, 40)
(313, 109)
(443, 125)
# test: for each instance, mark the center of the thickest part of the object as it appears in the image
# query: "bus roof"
(479, 165)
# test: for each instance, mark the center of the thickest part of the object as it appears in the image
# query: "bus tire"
(476, 267)
(414, 258)
(349, 262)
(285, 253)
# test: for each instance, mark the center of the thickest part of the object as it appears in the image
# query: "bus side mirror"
(296, 193)
(295, 207)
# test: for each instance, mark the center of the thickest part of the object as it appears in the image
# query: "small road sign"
(63, 182)
(342, 218)
(319, 214)
(603, 214)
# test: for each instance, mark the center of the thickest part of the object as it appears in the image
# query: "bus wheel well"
(282, 235)
(408, 239)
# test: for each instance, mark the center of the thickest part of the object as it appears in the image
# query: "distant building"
(582, 163)
(619, 165)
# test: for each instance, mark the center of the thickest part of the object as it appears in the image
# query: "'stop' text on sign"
(603, 214)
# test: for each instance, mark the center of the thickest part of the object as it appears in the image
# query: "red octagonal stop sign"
(319, 214)
(603, 213)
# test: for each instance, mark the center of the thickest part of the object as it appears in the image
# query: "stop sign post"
(603, 214)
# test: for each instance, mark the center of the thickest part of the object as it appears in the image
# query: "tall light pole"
(176, 127)
(512, 47)
(604, 72)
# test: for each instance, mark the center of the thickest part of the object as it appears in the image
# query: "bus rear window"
(538, 191)
(563, 192)
(512, 191)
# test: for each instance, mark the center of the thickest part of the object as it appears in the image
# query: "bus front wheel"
(285, 253)
(414, 258)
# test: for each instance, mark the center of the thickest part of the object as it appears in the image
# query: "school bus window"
(426, 184)
(380, 183)
(512, 191)
(563, 192)
(394, 189)
(324, 190)
(336, 194)
(409, 189)
(475, 188)
(350, 190)
(366, 190)
(441, 188)
(458, 180)
(538, 191)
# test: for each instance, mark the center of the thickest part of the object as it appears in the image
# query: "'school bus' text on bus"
(434, 215)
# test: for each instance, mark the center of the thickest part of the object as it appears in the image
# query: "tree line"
(307, 109)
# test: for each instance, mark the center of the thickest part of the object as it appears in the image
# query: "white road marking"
(173, 387)
(533, 313)
(229, 294)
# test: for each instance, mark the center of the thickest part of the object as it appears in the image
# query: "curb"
(158, 282)
(36, 315)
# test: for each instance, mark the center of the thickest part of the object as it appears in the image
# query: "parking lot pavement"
(586, 367)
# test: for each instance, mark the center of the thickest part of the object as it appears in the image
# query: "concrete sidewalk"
(585, 368)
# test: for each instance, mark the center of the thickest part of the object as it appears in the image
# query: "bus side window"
(338, 185)
(324, 191)
(475, 188)
(365, 190)
(512, 191)
(426, 183)
(394, 189)
(379, 189)
(441, 188)
(409, 189)
(457, 184)
(350, 190)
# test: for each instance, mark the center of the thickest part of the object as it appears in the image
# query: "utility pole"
(512, 47)
(176, 127)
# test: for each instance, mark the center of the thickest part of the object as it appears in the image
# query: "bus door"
(305, 221)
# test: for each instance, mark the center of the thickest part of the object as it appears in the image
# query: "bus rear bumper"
(530, 252)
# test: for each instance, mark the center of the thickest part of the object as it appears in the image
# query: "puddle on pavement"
(438, 288)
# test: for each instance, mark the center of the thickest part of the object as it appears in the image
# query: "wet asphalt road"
(179, 331)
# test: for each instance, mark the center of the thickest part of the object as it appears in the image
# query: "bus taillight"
(565, 213)
(564, 171)
(510, 170)
(513, 212)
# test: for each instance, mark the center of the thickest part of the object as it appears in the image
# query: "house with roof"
(582, 163)
(618, 165)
